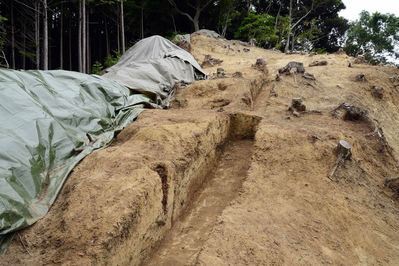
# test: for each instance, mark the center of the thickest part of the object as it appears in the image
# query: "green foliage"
(97, 68)
(112, 60)
(261, 27)
(374, 36)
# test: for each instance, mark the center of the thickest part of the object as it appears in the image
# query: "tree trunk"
(196, 19)
(12, 37)
(24, 47)
(174, 23)
(45, 33)
(84, 36)
(62, 38)
(88, 50)
(123, 28)
(70, 43)
(118, 32)
(37, 33)
(142, 23)
(277, 18)
(225, 25)
(293, 41)
(80, 38)
(287, 45)
(107, 37)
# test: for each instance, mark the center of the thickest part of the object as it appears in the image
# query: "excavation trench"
(220, 185)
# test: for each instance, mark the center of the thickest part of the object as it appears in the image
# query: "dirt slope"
(229, 177)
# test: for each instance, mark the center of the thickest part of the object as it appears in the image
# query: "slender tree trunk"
(107, 37)
(45, 37)
(62, 37)
(12, 37)
(277, 18)
(80, 37)
(37, 33)
(142, 23)
(292, 41)
(84, 37)
(24, 47)
(70, 43)
(174, 23)
(225, 25)
(88, 50)
(287, 45)
(123, 27)
(196, 19)
(118, 32)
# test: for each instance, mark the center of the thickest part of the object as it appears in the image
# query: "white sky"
(354, 7)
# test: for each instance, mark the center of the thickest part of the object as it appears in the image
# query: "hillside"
(229, 176)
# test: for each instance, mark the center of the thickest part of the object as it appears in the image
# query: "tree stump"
(292, 67)
(297, 105)
(344, 152)
(344, 149)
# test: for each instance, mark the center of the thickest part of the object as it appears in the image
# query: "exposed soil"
(229, 176)
(184, 242)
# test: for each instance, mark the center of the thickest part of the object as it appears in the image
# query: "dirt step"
(183, 243)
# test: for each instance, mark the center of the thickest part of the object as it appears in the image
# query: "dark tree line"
(87, 35)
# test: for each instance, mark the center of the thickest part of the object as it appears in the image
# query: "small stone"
(377, 92)
(360, 77)
(237, 75)
(260, 65)
(220, 73)
(318, 63)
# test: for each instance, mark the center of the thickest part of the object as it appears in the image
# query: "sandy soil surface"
(229, 176)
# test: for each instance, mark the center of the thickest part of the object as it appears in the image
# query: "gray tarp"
(50, 120)
(152, 67)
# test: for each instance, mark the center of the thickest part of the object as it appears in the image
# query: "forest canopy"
(90, 35)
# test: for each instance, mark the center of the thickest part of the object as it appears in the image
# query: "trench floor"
(184, 241)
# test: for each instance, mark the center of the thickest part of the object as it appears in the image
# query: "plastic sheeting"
(152, 66)
(50, 120)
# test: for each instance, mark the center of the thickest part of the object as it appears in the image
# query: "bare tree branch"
(173, 3)
(207, 4)
(302, 18)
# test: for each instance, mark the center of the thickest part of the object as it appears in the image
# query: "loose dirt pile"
(230, 176)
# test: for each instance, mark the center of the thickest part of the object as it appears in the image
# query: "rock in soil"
(237, 75)
(260, 65)
(220, 73)
(297, 105)
(393, 184)
(377, 92)
(318, 63)
(360, 77)
(209, 61)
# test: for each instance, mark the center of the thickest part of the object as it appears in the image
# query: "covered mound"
(53, 119)
(153, 65)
